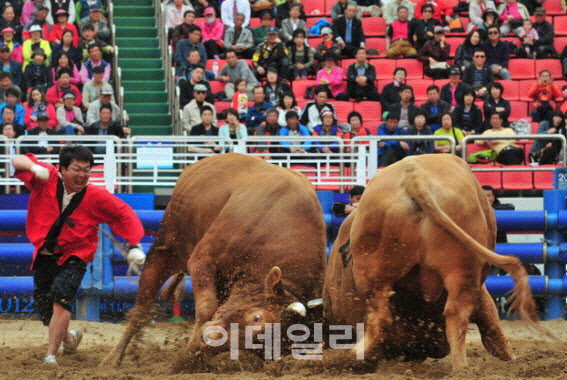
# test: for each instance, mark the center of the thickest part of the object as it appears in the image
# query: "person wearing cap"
(105, 126)
(12, 100)
(543, 46)
(434, 55)
(327, 128)
(361, 78)
(453, 91)
(186, 45)
(41, 20)
(69, 116)
(95, 19)
(62, 25)
(261, 31)
(105, 99)
(95, 54)
(31, 9)
(62, 86)
(423, 29)
(42, 129)
(229, 8)
(497, 53)
(293, 23)
(348, 32)
(13, 45)
(511, 16)
(11, 67)
(239, 39)
(271, 53)
(83, 8)
(489, 17)
(174, 13)
(476, 12)
(328, 44)
(191, 114)
(67, 5)
(9, 20)
(391, 151)
(37, 73)
(398, 35)
(37, 102)
(29, 46)
(212, 31)
(390, 11)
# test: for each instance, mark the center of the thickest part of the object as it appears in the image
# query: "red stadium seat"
(517, 180)
(519, 110)
(371, 112)
(441, 82)
(535, 127)
(314, 41)
(454, 42)
(216, 86)
(559, 43)
(511, 89)
(522, 68)
(544, 180)
(413, 67)
(384, 68)
(493, 179)
(299, 87)
(302, 102)
(560, 25)
(381, 83)
(256, 22)
(329, 6)
(420, 87)
(374, 26)
(345, 63)
(221, 106)
(378, 44)
(311, 6)
(311, 21)
(523, 88)
(553, 7)
(342, 109)
(553, 65)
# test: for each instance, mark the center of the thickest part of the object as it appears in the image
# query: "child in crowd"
(240, 98)
(530, 33)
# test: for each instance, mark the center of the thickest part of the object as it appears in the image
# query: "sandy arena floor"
(23, 345)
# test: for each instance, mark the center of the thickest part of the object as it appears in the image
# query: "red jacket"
(57, 33)
(29, 124)
(54, 94)
(98, 206)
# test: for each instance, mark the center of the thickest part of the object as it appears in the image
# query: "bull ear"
(273, 282)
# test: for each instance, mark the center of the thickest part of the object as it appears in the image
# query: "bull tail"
(174, 291)
(522, 302)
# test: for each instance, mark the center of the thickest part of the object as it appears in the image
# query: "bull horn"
(297, 307)
(315, 303)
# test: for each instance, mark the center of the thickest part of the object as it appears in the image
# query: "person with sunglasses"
(497, 53)
(478, 75)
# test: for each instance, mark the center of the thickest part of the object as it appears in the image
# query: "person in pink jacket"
(331, 75)
(62, 25)
(15, 47)
(63, 60)
(212, 32)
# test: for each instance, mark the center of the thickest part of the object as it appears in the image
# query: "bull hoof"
(111, 361)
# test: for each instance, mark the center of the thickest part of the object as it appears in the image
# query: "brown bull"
(412, 260)
(252, 236)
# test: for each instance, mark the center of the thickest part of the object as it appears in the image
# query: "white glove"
(136, 256)
(40, 172)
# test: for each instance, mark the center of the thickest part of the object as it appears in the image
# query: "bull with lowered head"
(252, 237)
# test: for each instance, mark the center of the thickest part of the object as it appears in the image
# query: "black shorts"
(56, 283)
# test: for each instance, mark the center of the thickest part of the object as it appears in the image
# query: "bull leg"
(486, 318)
(203, 275)
(156, 272)
(458, 309)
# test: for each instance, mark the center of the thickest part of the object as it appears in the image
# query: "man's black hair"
(74, 152)
(12, 91)
(5, 74)
(105, 106)
(62, 71)
(393, 116)
(207, 108)
(356, 190)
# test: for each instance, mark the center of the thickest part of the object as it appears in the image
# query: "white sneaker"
(76, 336)
(50, 359)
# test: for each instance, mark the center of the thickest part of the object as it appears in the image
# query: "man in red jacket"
(65, 244)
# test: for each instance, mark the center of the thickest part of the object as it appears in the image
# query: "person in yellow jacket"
(33, 43)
